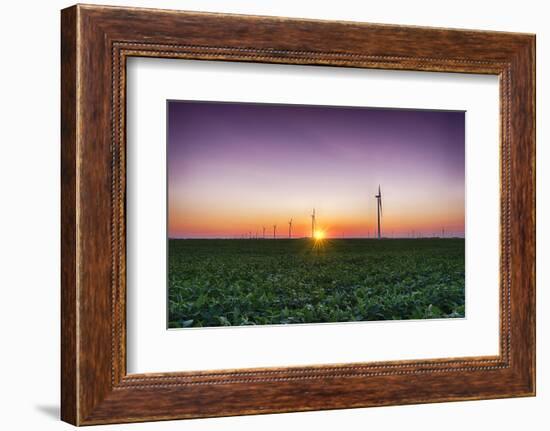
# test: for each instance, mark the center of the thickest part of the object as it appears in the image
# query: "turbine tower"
(379, 207)
(313, 224)
(290, 229)
(263, 234)
(274, 230)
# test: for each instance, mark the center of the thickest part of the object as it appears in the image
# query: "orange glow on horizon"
(397, 223)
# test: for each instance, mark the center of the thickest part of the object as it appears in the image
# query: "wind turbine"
(263, 235)
(313, 224)
(274, 230)
(379, 207)
(290, 228)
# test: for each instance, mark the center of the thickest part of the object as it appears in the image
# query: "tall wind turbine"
(290, 228)
(274, 230)
(313, 223)
(263, 234)
(379, 207)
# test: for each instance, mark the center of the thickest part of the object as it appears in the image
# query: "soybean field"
(235, 282)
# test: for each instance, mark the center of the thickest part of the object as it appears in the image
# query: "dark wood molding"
(95, 43)
(69, 366)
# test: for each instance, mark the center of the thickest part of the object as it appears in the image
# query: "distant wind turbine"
(290, 228)
(313, 223)
(274, 230)
(379, 207)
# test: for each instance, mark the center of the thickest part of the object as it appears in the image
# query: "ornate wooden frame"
(95, 43)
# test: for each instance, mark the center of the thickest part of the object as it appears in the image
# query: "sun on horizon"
(319, 235)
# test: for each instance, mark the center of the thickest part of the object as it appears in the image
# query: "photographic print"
(294, 214)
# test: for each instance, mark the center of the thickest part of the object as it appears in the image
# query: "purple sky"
(234, 168)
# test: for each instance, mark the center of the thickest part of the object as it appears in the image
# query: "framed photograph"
(267, 215)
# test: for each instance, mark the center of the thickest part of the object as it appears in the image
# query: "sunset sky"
(235, 168)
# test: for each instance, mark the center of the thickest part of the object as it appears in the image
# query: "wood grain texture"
(96, 41)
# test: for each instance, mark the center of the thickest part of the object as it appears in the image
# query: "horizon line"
(242, 237)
